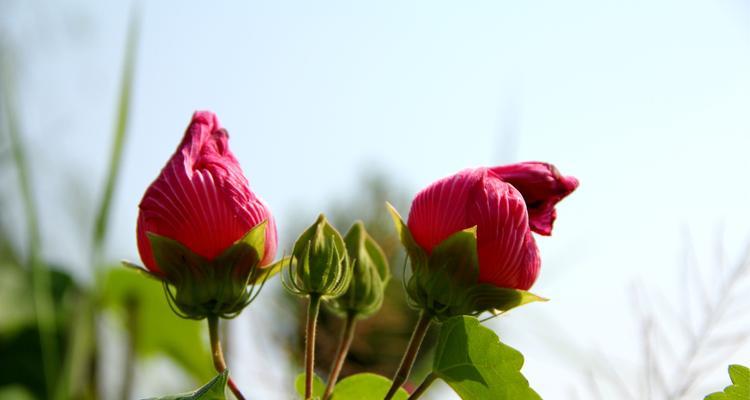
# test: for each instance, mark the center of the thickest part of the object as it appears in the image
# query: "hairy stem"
(411, 353)
(423, 386)
(347, 334)
(313, 307)
(218, 354)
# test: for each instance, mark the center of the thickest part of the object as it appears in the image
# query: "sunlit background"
(645, 102)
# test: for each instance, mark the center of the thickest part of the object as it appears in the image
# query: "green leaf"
(365, 386)
(473, 361)
(417, 256)
(318, 386)
(740, 389)
(213, 390)
(158, 330)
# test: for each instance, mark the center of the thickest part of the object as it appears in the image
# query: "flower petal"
(201, 198)
(542, 186)
(508, 255)
(440, 209)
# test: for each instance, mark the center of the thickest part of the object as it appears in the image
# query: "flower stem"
(218, 354)
(313, 307)
(347, 334)
(411, 353)
(423, 386)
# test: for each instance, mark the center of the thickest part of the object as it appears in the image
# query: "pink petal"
(440, 210)
(201, 198)
(508, 255)
(542, 187)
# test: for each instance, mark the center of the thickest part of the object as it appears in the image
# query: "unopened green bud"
(319, 264)
(370, 275)
(197, 287)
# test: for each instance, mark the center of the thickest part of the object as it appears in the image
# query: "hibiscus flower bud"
(319, 264)
(469, 236)
(370, 275)
(200, 228)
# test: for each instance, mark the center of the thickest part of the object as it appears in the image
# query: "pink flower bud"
(505, 204)
(201, 199)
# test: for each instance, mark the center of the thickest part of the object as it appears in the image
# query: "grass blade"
(40, 279)
(120, 130)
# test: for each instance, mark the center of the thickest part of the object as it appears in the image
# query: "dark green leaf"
(213, 390)
(740, 389)
(473, 361)
(365, 386)
(318, 386)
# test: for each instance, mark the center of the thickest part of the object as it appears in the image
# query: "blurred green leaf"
(157, 328)
(365, 386)
(16, 393)
(213, 390)
(318, 385)
(473, 361)
(740, 388)
(21, 348)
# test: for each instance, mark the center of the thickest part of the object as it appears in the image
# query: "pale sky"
(644, 101)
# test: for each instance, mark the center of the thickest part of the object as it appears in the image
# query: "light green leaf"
(473, 361)
(158, 330)
(740, 389)
(213, 390)
(318, 386)
(365, 386)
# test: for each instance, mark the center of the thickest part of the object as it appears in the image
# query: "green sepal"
(443, 285)
(319, 264)
(139, 269)
(198, 287)
(417, 255)
(213, 390)
(370, 275)
(269, 271)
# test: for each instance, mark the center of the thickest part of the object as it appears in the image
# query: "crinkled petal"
(542, 186)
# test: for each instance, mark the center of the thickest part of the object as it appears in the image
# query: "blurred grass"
(121, 125)
(44, 309)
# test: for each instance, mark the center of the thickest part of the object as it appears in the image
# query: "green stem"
(423, 386)
(131, 308)
(410, 355)
(313, 307)
(347, 335)
(218, 354)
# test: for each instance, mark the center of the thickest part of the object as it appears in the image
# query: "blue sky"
(644, 101)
